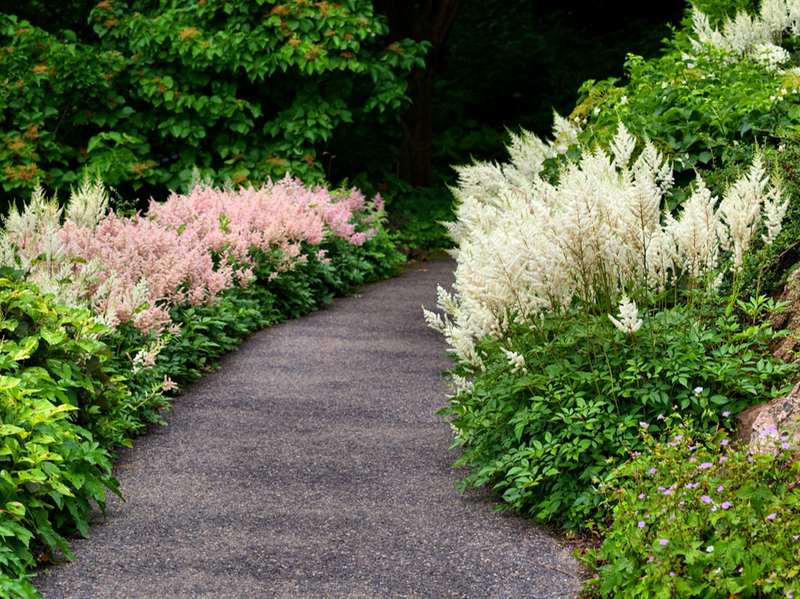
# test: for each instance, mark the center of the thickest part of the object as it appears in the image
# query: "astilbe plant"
(582, 308)
(278, 216)
(184, 251)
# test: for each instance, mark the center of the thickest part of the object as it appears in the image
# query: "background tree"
(429, 21)
(242, 89)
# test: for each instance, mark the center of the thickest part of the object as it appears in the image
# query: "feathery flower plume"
(629, 317)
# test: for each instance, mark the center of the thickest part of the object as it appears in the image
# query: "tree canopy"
(243, 89)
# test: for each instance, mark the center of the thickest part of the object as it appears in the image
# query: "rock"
(760, 426)
(786, 347)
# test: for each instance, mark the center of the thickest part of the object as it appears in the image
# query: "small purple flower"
(678, 437)
(671, 444)
(710, 549)
(672, 573)
(652, 471)
(661, 488)
(637, 453)
(723, 458)
(698, 389)
(692, 459)
(660, 417)
(663, 542)
(795, 537)
(726, 505)
(724, 442)
(706, 499)
(668, 492)
(642, 495)
(705, 465)
(644, 424)
(692, 447)
(714, 508)
(647, 515)
(651, 559)
(641, 524)
(672, 517)
(749, 458)
(726, 414)
(720, 489)
(786, 445)
(772, 516)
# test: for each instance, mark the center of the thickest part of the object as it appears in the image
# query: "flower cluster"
(528, 247)
(184, 251)
(695, 512)
(757, 38)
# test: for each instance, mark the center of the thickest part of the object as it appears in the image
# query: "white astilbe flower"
(704, 33)
(530, 248)
(695, 234)
(744, 36)
(629, 321)
(88, 205)
(776, 18)
(622, 146)
(793, 8)
(771, 56)
(516, 361)
(774, 212)
(740, 210)
(743, 33)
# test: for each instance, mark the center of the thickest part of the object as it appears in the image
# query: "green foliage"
(697, 111)
(243, 89)
(51, 469)
(696, 517)
(414, 215)
(545, 437)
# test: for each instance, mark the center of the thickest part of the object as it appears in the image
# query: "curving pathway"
(312, 466)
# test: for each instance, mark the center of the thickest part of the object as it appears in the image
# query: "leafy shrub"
(710, 92)
(50, 467)
(243, 90)
(545, 434)
(694, 516)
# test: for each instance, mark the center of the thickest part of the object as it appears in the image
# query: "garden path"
(312, 466)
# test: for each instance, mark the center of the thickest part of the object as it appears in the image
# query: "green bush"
(51, 468)
(546, 436)
(241, 89)
(696, 517)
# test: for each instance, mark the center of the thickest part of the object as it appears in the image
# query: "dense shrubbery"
(104, 314)
(598, 290)
(695, 516)
(541, 270)
(242, 89)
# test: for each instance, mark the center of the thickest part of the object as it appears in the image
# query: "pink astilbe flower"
(145, 263)
(278, 216)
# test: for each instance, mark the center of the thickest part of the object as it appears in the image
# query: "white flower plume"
(629, 321)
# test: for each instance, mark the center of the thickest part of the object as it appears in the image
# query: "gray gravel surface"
(313, 465)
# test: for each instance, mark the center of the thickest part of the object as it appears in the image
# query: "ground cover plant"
(104, 314)
(697, 516)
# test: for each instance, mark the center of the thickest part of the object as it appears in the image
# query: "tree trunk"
(416, 147)
(433, 24)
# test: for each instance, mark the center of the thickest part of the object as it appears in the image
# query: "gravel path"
(312, 465)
